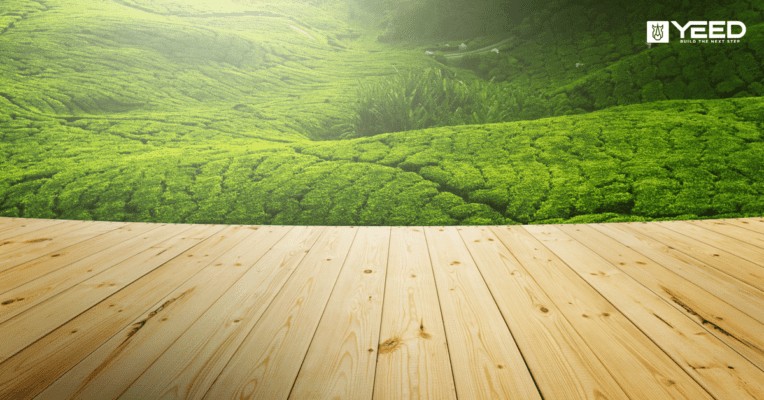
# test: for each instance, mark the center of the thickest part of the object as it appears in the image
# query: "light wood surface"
(640, 367)
(36, 322)
(484, 357)
(40, 364)
(754, 224)
(32, 240)
(48, 240)
(108, 371)
(734, 231)
(41, 266)
(718, 240)
(267, 362)
(342, 357)
(740, 295)
(49, 285)
(39, 238)
(563, 366)
(718, 368)
(725, 261)
(189, 367)
(103, 310)
(730, 325)
(413, 349)
(14, 227)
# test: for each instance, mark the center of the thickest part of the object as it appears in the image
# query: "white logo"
(657, 32)
(710, 29)
(699, 31)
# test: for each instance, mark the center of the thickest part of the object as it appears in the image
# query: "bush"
(653, 91)
(418, 100)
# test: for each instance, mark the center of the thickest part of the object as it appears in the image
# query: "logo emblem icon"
(657, 32)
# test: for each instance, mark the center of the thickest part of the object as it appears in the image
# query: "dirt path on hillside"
(302, 31)
(486, 49)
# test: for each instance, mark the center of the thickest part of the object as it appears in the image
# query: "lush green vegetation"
(433, 97)
(578, 57)
(682, 159)
(197, 112)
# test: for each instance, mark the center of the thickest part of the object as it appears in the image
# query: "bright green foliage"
(247, 69)
(419, 100)
(664, 160)
(162, 111)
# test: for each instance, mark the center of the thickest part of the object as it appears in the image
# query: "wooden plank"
(484, 357)
(267, 362)
(48, 240)
(642, 369)
(562, 364)
(44, 318)
(40, 237)
(27, 296)
(740, 295)
(718, 240)
(42, 266)
(754, 224)
(111, 369)
(722, 260)
(736, 232)
(723, 372)
(39, 365)
(417, 364)
(9, 224)
(727, 323)
(341, 360)
(189, 367)
(23, 226)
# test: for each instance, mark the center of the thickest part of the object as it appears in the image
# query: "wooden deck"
(106, 310)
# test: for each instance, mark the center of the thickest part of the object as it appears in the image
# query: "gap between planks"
(477, 270)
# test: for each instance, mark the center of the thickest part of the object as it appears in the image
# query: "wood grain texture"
(39, 267)
(108, 372)
(138, 311)
(15, 227)
(640, 367)
(41, 363)
(48, 286)
(6, 222)
(38, 321)
(718, 368)
(268, 361)
(41, 237)
(484, 357)
(734, 231)
(562, 364)
(740, 295)
(341, 360)
(722, 260)
(47, 240)
(189, 367)
(754, 224)
(414, 361)
(730, 325)
(718, 240)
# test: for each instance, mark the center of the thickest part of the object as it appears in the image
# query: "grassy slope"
(172, 114)
(246, 74)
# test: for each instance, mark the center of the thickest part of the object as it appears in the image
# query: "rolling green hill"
(245, 112)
